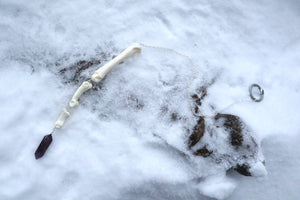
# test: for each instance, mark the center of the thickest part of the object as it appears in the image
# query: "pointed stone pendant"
(45, 143)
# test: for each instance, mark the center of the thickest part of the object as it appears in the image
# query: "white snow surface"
(109, 148)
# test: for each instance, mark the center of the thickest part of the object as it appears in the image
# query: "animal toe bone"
(64, 115)
(102, 71)
(83, 88)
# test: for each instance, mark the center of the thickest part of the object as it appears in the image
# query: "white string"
(191, 79)
(225, 108)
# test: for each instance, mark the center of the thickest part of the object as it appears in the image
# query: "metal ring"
(261, 95)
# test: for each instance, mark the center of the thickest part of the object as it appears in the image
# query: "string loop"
(192, 77)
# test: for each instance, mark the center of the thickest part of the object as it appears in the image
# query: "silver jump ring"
(261, 91)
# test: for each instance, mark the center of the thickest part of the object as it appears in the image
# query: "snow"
(120, 143)
(217, 186)
(258, 170)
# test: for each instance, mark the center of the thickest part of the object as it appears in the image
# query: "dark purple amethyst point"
(45, 143)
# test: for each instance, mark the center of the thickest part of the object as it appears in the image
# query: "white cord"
(225, 108)
(191, 79)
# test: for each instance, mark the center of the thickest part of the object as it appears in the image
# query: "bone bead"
(82, 88)
(102, 71)
(64, 115)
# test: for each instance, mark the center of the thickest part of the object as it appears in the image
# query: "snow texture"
(127, 139)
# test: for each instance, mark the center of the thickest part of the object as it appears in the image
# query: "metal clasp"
(261, 93)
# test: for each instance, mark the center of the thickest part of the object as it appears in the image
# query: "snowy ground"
(107, 150)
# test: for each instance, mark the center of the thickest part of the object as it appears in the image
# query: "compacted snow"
(128, 137)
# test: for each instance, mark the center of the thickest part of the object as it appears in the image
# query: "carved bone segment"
(102, 71)
(64, 115)
(83, 88)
